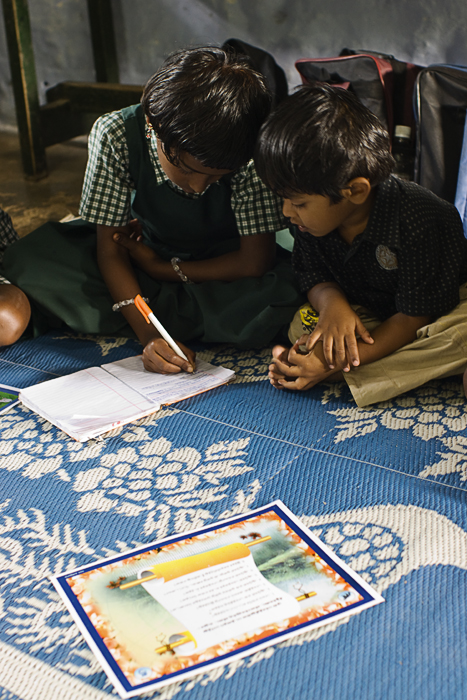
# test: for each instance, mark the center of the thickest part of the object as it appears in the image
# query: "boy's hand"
(338, 329)
(142, 255)
(159, 357)
(293, 370)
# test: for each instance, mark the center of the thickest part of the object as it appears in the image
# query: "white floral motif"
(29, 553)
(249, 365)
(454, 460)
(424, 414)
(131, 482)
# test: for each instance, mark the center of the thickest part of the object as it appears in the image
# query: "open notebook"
(91, 402)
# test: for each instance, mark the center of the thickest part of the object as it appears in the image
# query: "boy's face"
(191, 175)
(317, 214)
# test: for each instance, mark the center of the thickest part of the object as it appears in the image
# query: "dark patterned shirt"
(411, 258)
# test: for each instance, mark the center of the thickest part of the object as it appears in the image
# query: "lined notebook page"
(86, 403)
(168, 388)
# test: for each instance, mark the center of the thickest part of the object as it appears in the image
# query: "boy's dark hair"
(208, 103)
(319, 139)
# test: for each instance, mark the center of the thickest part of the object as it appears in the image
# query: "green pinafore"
(56, 266)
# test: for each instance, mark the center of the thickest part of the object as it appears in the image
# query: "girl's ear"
(357, 191)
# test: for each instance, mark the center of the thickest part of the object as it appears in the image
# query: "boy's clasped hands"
(330, 349)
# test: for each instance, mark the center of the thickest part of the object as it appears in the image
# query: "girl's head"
(318, 140)
(207, 103)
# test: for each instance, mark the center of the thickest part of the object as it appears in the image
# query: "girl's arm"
(117, 271)
(255, 256)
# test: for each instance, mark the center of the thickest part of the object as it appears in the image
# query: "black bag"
(264, 63)
(440, 103)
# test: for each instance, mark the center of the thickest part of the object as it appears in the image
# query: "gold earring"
(149, 131)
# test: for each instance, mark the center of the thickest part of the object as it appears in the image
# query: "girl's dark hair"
(208, 103)
(319, 139)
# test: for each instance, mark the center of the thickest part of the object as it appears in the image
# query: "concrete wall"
(422, 31)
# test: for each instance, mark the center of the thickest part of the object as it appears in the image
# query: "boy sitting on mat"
(383, 261)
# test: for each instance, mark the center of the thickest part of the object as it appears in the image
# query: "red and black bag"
(381, 82)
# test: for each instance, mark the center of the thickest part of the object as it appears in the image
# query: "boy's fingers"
(364, 333)
(273, 372)
(329, 350)
(299, 384)
(311, 339)
(287, 369)
(352, 352)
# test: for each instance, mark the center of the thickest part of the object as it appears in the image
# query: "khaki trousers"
(439, 350)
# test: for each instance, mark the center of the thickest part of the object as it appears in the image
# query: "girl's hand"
(338, 330)
(136, 230)
(159, 357)
(142, 255)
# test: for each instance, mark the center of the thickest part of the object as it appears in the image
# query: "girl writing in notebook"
(203, 251)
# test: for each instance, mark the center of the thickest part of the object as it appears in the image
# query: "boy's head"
(207, 103)
(320, 139)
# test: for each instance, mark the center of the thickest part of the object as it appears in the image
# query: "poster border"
(110, 666)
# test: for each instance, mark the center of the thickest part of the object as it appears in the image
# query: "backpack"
(262, 62)
(381, 82)
(440, 103)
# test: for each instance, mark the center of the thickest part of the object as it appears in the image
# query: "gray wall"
(422, 31)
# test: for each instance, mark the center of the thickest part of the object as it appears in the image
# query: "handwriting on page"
(163, 388)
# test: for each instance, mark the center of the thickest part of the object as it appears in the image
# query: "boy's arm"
(301, 372)
(337, 327)
(394, 333)
(119, 276)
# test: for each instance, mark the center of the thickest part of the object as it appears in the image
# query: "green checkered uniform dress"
(57, 264)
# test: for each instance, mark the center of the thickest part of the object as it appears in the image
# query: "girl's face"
(191, 175)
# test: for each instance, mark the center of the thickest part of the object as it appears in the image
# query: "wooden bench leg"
(103, 41)
(23, 74)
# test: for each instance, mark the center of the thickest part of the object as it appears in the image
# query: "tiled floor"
(31, 203)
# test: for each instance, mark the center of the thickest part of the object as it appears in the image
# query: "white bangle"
(126, 302)
(183, 277)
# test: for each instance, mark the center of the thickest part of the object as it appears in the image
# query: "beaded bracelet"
(181, 274)
(126, 302)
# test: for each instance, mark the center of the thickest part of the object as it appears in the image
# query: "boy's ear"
(357, 191)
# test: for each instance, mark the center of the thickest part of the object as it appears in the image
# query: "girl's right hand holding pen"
(163, 354)
(159, 357)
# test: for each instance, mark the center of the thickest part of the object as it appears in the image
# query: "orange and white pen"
(150, 318)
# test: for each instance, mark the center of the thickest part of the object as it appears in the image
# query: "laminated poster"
(181, 606)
